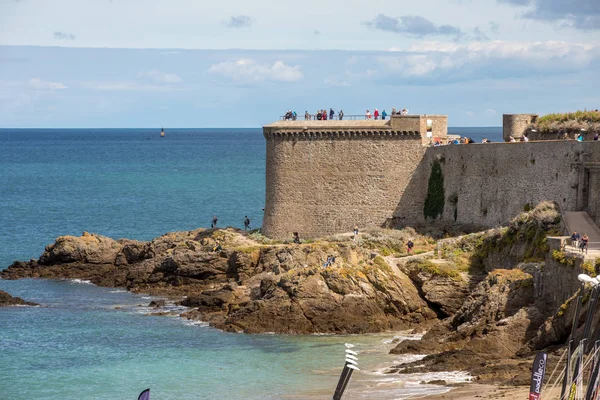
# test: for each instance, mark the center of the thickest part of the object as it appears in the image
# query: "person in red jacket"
(376, 114)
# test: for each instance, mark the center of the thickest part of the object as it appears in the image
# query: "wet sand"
(478, 392)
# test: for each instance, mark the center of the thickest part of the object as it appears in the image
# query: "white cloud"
(491, 112)
(249, 71)
(452, 62)
(38, 84)
(160, 77)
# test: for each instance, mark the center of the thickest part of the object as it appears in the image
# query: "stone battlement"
(325, 177)
(417, 127)
(340, 134)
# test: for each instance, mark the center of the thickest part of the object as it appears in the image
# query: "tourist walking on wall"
(214, 221)
(306, 116)
(341, 115)
(584, 243)
(409, 246)
(383, 115)
(368, 115)
(376, 114)
(246, 223)
(575, 239)
(331, 113)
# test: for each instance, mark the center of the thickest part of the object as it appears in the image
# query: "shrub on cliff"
(568, 122)
(525, 237)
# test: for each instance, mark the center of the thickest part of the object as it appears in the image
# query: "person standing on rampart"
(383, 115)
(368, 115)
(331, 113)
(341, 115)
(584, 243)
(376, 114)
(306, 116)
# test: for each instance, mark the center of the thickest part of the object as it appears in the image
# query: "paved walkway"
(581, 222)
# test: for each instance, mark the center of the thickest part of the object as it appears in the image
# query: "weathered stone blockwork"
(325, 177)
(486, 185)
(324, 183)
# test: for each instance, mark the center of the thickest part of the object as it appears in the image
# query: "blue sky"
(233, 63)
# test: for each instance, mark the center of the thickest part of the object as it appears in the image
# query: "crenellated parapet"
(341, 135)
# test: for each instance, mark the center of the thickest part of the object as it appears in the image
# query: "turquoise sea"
(88, 342)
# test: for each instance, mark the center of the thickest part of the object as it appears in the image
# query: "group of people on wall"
(324, 115)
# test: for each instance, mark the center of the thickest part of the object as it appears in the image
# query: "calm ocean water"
(131, 183)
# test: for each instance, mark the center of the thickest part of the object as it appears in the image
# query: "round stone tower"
(325, 177)
(515, 125)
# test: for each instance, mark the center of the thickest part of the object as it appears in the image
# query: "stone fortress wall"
(485, 185)
(325, 178)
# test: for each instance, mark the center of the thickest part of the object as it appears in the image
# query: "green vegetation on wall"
(573, 121)
(434, 202)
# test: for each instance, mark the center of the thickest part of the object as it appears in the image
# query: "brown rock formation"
(245, 285)
(7, 300)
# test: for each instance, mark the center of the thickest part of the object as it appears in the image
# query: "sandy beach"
(476, 391)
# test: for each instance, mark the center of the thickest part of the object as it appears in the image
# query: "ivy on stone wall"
(434, 202)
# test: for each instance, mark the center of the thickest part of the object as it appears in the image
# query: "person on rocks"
(331, 113)
(341, 115)
(246, 223)
(296, 238)
(328, 262)
(355, 233)
(214, 222)
(409, 246)
(596, 136)
(217, 247)
(583, 246)
(575, 239)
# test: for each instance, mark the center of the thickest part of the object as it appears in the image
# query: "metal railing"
(350, 117)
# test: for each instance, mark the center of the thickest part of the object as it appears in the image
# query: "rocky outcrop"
(495, 320)
(495, 294)
(7, 300)
(239, 284)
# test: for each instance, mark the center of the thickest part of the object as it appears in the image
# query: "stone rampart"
(325, 177)
(324, 182)
(485, 185)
